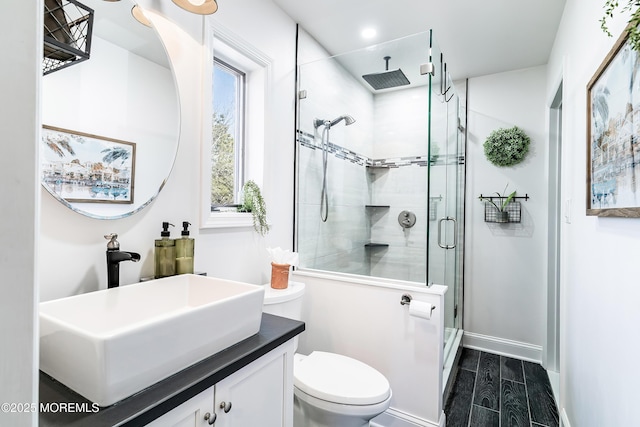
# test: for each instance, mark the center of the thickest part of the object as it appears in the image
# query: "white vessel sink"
(110, 344)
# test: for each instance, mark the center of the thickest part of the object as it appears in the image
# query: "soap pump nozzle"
(165, 229)
(185, 228)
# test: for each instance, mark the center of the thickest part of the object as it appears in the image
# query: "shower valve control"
(407, 219)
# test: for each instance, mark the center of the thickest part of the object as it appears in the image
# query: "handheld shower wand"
(324, 196)
(348, 120)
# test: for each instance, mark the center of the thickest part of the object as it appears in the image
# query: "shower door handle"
(455, 232)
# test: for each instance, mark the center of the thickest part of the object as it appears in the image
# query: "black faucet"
(114, 257)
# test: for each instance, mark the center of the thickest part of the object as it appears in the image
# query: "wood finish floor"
(498, 391)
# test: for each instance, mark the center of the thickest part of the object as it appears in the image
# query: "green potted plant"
(253, 202)
(502, 215)
(506, 147)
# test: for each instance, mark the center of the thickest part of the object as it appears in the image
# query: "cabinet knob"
(225, 406)
(210, 419)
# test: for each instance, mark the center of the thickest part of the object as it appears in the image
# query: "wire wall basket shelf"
(68, 25)
(512, 213)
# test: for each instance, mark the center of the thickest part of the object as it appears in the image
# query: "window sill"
(228, 220)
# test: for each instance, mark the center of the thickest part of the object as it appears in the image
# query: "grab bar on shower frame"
(455, 232)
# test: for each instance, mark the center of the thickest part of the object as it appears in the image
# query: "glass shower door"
(446, 193)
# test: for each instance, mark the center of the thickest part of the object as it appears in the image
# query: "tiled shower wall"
(391, 128)
(338, 244)
(400, 137)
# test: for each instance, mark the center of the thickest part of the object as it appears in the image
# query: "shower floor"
(493, 390)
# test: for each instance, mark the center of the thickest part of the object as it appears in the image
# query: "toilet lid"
(340, 379)
(276, 296)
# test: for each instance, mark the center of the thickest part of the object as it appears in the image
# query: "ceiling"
(113, 22)
(476, 37)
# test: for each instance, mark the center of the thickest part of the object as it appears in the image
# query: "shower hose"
(324, 197)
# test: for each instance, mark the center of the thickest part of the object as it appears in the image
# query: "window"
(227, 149)
(234, 124)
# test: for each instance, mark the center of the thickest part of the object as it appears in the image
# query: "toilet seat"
(340, 379)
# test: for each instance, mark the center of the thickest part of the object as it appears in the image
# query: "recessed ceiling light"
(137, 13)
(201, 7)
(368, 33)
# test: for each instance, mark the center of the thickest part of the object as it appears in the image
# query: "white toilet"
(330, 390)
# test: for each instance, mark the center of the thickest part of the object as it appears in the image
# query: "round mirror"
(111, 122)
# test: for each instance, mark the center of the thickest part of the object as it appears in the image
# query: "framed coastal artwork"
(613, 134)
(84, 168)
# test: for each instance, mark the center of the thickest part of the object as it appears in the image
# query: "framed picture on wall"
(85, 168)
(613, 134)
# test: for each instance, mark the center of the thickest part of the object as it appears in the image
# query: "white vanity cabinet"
(189, 414)
(259, 394)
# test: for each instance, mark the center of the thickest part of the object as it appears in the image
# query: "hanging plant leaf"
(634, 21)
(506, 147)
(254, 203)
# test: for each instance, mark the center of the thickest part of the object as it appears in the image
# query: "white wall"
(19, 84)
(400, 130)
(505, 276)
(72, 246)
(599, 313)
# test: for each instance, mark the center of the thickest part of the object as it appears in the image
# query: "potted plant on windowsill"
(253, 202)
(503, 200)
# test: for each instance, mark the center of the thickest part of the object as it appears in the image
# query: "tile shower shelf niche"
(376, 245)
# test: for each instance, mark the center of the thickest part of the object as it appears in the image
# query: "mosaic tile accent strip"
(309, 141)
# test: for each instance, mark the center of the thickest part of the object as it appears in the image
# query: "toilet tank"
(284, 302)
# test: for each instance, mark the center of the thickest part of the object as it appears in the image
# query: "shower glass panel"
(373, 170)
(380, 165)
(447, 122)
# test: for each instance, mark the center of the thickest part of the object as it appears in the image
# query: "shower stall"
(382, 196)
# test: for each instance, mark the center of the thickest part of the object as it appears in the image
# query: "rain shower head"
(386, 79)
(348, 120)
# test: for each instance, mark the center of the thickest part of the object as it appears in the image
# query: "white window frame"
(240, 115)
(258, 68)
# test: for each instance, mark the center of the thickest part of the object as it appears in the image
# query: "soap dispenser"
(165, 253)
(184, 251)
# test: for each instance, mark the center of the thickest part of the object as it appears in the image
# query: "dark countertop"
(160, 398)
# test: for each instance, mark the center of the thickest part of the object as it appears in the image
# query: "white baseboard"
(394, 418)
(516, 349)
(554, 380)
(564, 419)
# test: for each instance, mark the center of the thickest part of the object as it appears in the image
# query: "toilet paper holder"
(406, 300)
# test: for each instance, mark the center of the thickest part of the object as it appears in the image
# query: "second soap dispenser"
(165, 253)
(184, 251)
